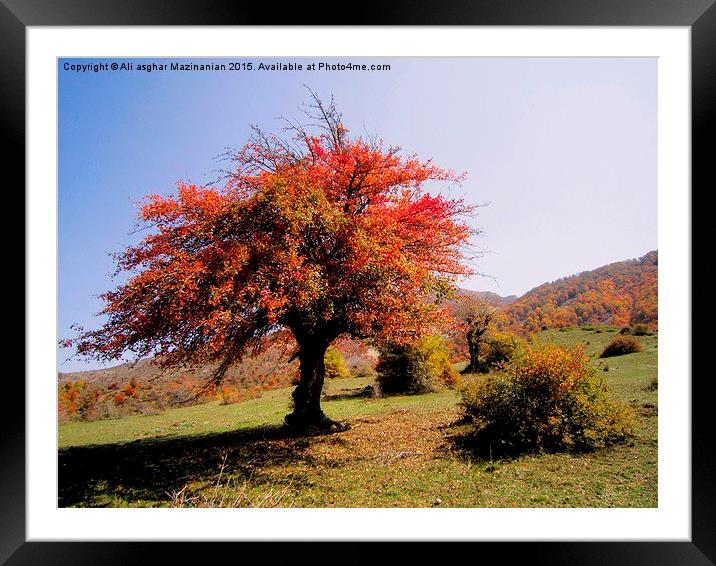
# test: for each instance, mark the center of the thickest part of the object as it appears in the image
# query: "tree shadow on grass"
(356, 393)
(147, 472)
(462, 442)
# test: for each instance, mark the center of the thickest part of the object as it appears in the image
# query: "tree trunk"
(474, 349)
(474, 337)
(307, 411)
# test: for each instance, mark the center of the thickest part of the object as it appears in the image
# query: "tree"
(309, 237)
(335, 363)
(476, 316)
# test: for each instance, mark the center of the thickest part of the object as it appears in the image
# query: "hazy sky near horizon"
(562, 150)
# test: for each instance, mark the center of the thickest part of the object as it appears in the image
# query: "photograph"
(357, 282)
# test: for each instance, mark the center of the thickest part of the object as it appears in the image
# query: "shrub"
(335, 364)
(227, 395)
(621, 345)
(414, 368)
(641, 330)
(402, 369)
(500, 348)
(437, 355)
(547, 399)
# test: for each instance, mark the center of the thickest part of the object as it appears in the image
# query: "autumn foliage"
(621, 345)
(335, 363)
(549, 398)
(617, 294)
(310, 238)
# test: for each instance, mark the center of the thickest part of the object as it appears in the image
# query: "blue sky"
(564, 150)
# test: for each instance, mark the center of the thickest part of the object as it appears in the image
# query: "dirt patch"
(386, 438)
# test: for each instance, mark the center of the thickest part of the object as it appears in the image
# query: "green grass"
(269, 409)
(401, 451)
(628, 375)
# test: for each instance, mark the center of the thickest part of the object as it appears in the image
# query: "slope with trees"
(619, 294)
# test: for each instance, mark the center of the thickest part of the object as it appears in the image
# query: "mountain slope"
(620, 293)
(143, 387)
(484, 296)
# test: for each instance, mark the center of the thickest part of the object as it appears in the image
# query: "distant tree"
(335, 363)
(499, 348)
(312, 237)
(475, 316)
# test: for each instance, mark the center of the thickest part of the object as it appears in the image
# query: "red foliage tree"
(311, 237)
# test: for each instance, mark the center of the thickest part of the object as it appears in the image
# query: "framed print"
(390, 281)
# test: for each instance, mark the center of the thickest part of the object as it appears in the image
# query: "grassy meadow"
(402, 451)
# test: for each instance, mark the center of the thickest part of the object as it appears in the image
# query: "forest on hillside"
(619, 294)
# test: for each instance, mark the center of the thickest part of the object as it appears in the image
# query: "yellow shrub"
(548, 398)
(335, 364)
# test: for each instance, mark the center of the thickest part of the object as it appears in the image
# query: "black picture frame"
(699, 15)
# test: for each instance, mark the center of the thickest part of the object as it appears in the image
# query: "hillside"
(485, 296)
(618, 294)
(144, 388)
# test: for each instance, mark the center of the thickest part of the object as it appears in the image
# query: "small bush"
(336, 367)
(415, 368)
(402, 369)
(437, 356)
(224, 395)
(621, 345)
(500, 348)
(641, 330)
(547, 399)
(228, 395)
